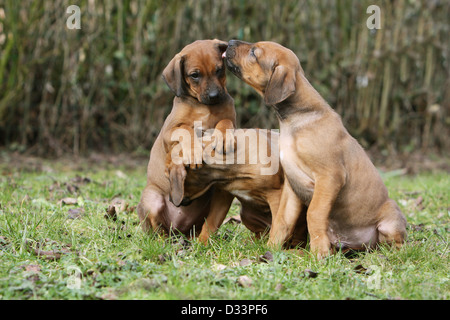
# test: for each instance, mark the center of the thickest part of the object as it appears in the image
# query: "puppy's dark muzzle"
(185, 202)
(213, 96)
(230, 56)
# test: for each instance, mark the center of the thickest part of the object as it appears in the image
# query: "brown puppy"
(252, 174)
(197, 77)
(326, 169)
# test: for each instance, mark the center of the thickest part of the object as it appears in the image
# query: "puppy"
(197, 77)
(325, 168)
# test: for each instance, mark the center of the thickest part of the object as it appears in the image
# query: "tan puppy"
(197, 77)
(253, 175)
(326, 169)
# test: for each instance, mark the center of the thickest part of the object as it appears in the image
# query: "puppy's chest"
(295, 171)
(206, 120)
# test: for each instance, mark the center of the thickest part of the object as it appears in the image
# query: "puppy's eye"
(252, 52)
(195, 76)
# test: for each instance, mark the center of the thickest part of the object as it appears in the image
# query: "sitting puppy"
(197, 77)
(325, 168)
(252, 174)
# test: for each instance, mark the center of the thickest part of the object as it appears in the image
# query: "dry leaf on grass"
(360, 269)
(54, 254)
(266, 258)
(111, 213)
(245, 262)
(311, 274)
(68, 201)
(219, 267)
(117, 206)
(33, 268)
(75, 213)
(245, 281)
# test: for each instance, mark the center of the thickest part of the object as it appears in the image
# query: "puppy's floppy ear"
(173, 75)
(281, 85)
(177, 175)
(221, 46)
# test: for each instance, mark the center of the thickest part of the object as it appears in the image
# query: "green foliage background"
(99, 88)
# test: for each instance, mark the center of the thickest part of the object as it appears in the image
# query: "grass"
(85, 255)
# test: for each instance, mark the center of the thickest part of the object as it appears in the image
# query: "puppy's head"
(199, 71)
(267, 66)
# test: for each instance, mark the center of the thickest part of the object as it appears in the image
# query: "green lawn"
(56, 243)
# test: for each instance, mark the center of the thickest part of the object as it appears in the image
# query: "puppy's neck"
(304, 100)
(193, 102)
(189, 100)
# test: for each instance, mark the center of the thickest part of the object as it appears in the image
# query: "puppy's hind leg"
(392, 225)
(220, 204)
(151, 209)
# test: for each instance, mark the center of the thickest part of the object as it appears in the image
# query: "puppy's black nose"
(213, 95)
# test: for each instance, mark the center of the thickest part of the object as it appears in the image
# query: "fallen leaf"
(32, 272)
(117, 206)
(54, 186)
(72, 188)
(54, 254)
(417, 227)
(419, 200)
(219, 267)
(75, 213)
(111, 213)
(131, 209)
(360, 269)
(419, 203)
(120, 204)
(80, 180)
(245, 262)
(311, 274)
(279, 287)
(120, 174)
(33, 268)
(68, 201)
(244, 281)
(266, 258)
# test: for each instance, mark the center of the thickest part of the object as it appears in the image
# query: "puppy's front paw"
(217, 141)
(320, 246)
(230, 144)
(223, 142)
